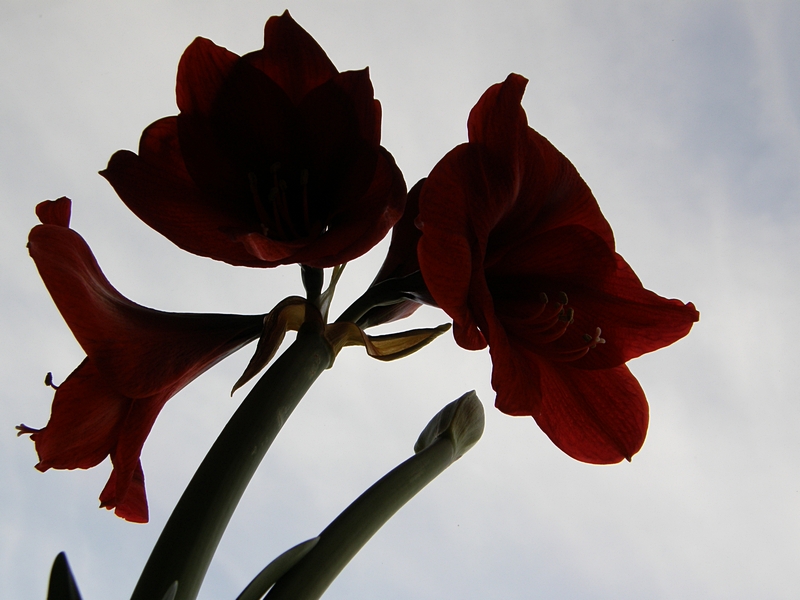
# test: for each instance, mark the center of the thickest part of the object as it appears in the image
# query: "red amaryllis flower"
(515, 249)
(275, 157)
(137, 359)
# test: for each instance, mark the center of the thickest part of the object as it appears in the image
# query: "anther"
(23, 429)
(594, 340)
(567, 316)
(48, 381)
(563, 299)
(543, 298)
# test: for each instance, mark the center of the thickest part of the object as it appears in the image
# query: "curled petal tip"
(55, 212)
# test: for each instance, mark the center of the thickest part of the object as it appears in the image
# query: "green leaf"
(62, 583)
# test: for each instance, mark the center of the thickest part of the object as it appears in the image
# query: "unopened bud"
(462, 421)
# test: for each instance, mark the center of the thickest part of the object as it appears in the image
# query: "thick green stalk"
(190, 537)
(453, 431)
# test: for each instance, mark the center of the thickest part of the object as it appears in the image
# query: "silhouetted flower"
(137, 359)
(515, 249)
(275, 157)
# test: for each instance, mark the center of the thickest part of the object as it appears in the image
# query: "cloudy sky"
(684, 118)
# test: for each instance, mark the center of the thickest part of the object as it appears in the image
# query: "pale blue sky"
(683, 117)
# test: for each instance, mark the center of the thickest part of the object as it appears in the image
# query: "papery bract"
(137, 359)
(515, 249)
(275, 157)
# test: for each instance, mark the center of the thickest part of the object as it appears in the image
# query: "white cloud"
(683, 118)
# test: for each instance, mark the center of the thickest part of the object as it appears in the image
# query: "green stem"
(448, 436)
(190, 537)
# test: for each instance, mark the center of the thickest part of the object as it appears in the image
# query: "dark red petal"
(254, 123)
(550, 195)
(515, 377)
(170, 202)
(602, 289)
(159, 147)
(139, 350)
(571, 254)
(553, 194)
(133, 507)
(498, 121)
(292, 58)
(222, 182)
(270, 252)
(401, 259)
(446, 264)
(202, 71)
(340, 125)
(125, 456)
(546, 190)
(55, 212)
(357, 86)
(366, 223)
(634, 320)
(598, 417)
(450, 251)
(85, 420)
(338, 119)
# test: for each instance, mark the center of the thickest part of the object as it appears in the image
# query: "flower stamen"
(23, 429)
(549, 322)
(594, 340)
(567, 316)
(48, 381)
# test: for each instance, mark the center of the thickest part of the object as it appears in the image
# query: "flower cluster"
(274, 159)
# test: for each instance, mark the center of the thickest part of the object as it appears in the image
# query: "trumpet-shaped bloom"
(137, 359)
(275, 157)
(515, 249)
